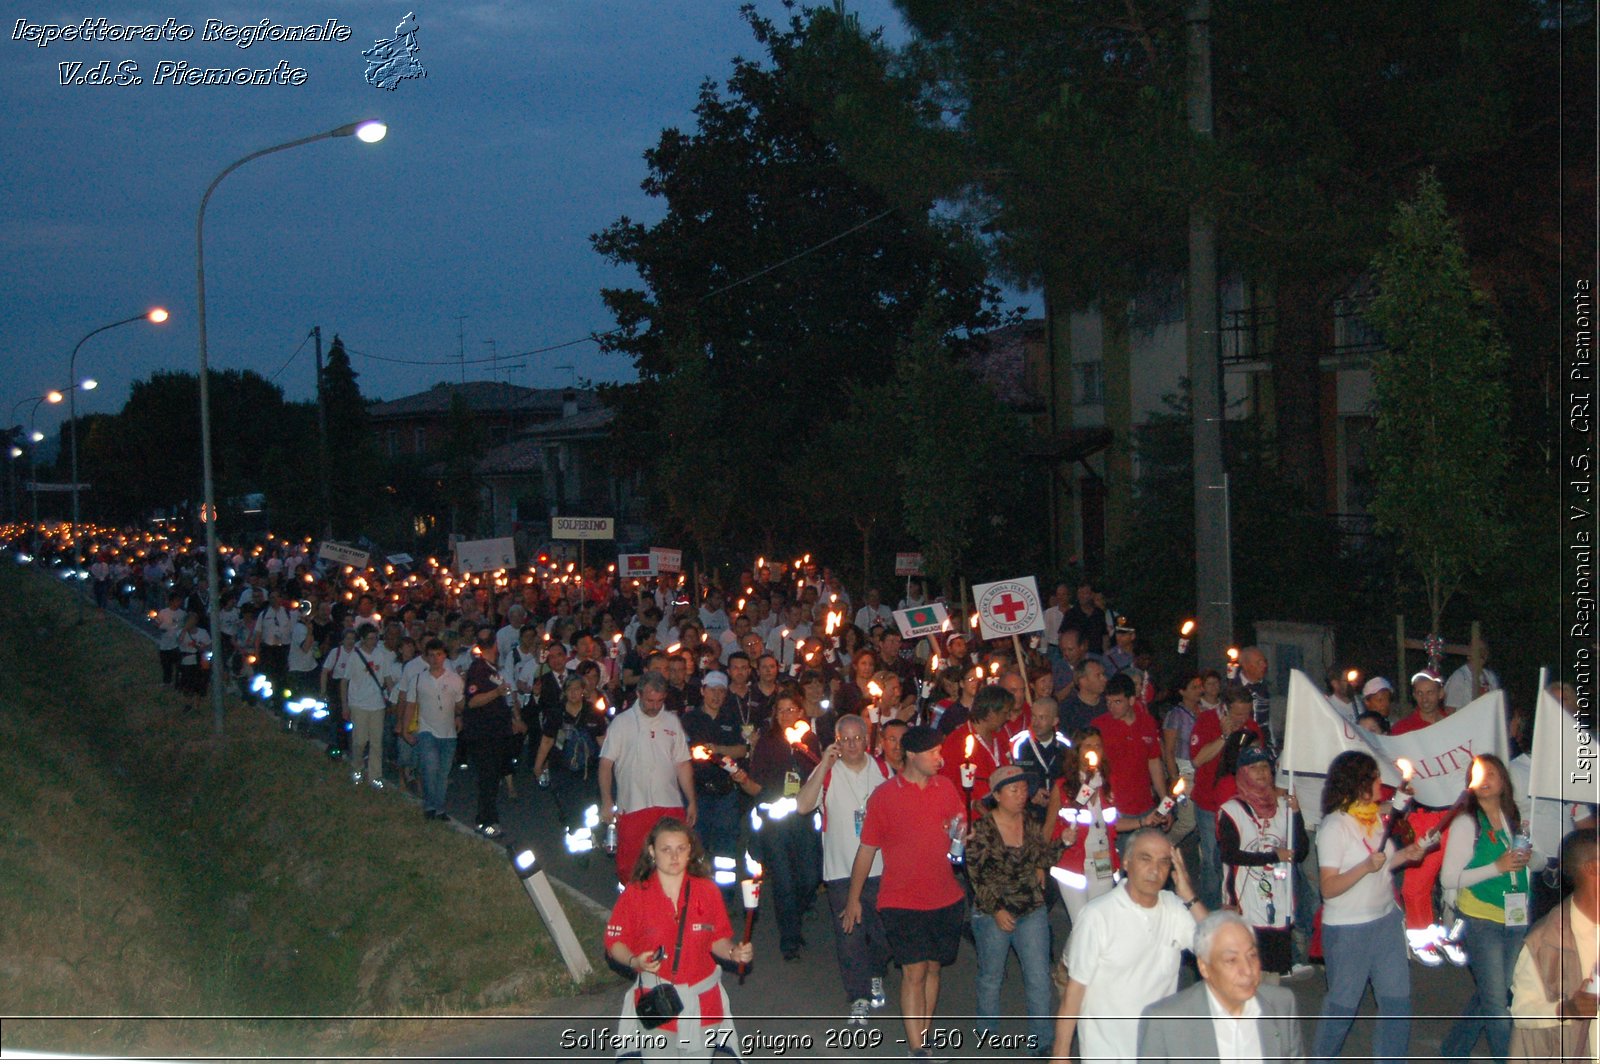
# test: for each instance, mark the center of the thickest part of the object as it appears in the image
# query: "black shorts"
(917, 935)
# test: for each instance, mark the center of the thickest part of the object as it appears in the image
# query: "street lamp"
(369, 132)
(155, 316)
(36, 437)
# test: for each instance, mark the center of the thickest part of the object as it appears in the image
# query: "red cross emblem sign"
(1008, 607)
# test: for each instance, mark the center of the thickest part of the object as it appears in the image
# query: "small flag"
(920, 620)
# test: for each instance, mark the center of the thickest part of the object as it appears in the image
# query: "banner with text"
(922, 620)
(908, 563)
(485, 555)
(667, 559)
(1441, 754)
(340, 554)
(1008, 607)
(582, 528)
(635, 566)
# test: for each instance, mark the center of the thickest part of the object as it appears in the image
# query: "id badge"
(1517, 909)
(747, 730)
(791, 784)
(861, 816)
(1100, 861)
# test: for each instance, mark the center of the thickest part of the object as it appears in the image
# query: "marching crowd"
(923, 791)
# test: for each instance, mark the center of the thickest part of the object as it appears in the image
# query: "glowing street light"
(367, 131)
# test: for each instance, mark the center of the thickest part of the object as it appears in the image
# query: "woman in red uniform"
(669, 882)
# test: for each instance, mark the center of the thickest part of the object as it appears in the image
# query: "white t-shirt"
(506, 638)
(715, 622)
(844, 793)
(301, 660)
(366, 690)
(436, 699)
(867, 616)
(1128, 957)
(646, 753)
(170, 621)
(409, 671)
(1458, 690)
(1342, 843)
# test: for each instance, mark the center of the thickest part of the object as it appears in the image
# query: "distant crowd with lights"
(778, 733)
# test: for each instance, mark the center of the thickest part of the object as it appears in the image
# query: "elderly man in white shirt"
(1249, 1023)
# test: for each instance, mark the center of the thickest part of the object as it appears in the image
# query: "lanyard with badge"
(1516, 901)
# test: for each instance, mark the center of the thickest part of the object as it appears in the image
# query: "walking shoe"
(1299, 971)
(356, 778)
(859, 1010)
(490, 831)
(377, 785)
(1452, 952)
(1422, 946)
(879, 998)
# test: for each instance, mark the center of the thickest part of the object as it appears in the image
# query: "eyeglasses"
(852, 738)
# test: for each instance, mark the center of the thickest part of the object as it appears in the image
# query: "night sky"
(524, 138)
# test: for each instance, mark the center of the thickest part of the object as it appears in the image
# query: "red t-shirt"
(644, 919)
(1130, 748)
(910, 824)
(987, 755)
(1210, 791)
(1412, 722)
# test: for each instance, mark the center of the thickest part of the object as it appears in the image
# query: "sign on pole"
(666, 559)
(582, 528)
(485, 555)
(922, 620)
(634, 566)
(400, 559)
(340, 554)
(908, 563)
(1008, 607)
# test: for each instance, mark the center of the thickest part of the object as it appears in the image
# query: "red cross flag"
(1008, 607)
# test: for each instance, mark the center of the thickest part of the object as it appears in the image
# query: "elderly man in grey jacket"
(1229, 1015)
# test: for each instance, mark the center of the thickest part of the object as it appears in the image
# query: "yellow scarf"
(1364, 813)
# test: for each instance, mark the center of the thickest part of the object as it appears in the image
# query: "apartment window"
(1091, 383)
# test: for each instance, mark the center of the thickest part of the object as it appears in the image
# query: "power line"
(596, 337)
(290, 359)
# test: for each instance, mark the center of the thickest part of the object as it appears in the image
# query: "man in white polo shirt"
(645, 764)
(434, 702)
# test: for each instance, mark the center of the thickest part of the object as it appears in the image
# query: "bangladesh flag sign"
(922, 620)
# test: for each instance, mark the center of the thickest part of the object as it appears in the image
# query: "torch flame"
(1187, 630)
(933, 663)
(874, 689)
(674, 648)
(1178, 788)
(833, 622)
(701, 753)
(1405, 768)
(796, 732)
(1476, 779)
(968, 753)
(761, 563)
(994, 668)
(1352, 676)
(600, 704)
(972, 621)
(1091, 759)
(1233, 654)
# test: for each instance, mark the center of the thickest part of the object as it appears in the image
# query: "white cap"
(1374, 685)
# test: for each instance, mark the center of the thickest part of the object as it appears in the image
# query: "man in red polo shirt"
(1133, 758)
(910, 819)
(989, 747)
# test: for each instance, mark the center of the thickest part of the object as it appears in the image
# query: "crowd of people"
(922, 790)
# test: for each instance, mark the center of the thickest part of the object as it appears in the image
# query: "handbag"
(661, 1003)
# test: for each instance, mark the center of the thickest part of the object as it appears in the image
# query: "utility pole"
(461, 345)
(322, 443)
(1213, 551)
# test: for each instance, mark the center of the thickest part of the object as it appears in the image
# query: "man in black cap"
(914, 819)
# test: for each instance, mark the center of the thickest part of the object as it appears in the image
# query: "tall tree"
(355, 477)
(790, 279)
(1439, 455)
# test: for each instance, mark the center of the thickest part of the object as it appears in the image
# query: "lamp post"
(369, 132)
(155, 316)
(35, 437)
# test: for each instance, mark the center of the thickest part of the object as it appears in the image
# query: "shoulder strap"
(683, 919)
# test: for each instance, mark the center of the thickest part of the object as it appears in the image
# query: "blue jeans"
(1492, 957)
(791, 851)
(1209, 885)
(1031, 940)
(435, 758)
(1357, 954)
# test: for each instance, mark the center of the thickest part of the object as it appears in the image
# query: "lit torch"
(1233, 663)
(797, 732)
(1183, 636)
(1091, 765)
(751, 889)
(1171, 800)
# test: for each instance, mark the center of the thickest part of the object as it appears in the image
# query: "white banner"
(922, 620)
(1561, 773)
(1008, 607)
(343, 555)
(666, 559)
(485, 555)
(908, 563)
(1441, 754)
(581, 528)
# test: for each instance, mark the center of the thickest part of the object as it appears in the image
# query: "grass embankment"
(149, 869)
